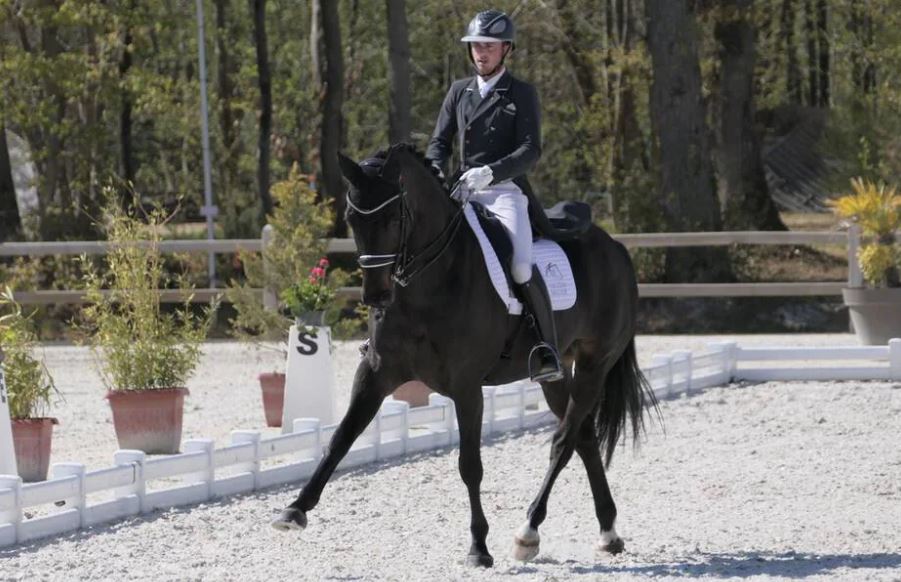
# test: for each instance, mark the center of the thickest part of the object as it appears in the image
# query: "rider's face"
(487, 56)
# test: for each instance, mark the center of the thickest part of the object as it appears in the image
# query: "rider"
(496, 119)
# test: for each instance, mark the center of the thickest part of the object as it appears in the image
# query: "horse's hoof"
(613, 546)
(526, 543)
(479, 560)
(290, 519)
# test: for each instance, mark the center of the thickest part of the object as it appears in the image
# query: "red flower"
(317, 272)
(323, 262)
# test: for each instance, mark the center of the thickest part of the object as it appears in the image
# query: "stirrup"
(554, 375)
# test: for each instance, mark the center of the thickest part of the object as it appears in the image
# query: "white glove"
(477, 178)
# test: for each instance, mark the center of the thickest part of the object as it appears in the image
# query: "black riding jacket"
(502, 131)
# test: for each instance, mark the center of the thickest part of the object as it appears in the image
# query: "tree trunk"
(743, 191)
(225, 90)
(824, 46)
(792, 69)
(331, 102)
(813, 81)
(863, 72)
(686, 183)
(10, 221)
(870, 70)
(400, 103)
(265, 82)
(128, 168)
(569, 42)
(630, 164)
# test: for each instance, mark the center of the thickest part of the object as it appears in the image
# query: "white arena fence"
(136, 484)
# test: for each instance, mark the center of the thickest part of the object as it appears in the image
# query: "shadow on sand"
(746, 564)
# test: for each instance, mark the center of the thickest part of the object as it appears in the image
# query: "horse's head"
(381, 214)
(374, 212)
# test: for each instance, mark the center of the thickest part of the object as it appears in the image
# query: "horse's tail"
(627, 394)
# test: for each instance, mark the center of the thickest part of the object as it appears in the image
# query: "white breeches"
(510, 205)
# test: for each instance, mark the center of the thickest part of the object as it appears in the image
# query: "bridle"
(408, 264)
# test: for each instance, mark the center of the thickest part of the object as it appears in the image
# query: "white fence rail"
(136, 484)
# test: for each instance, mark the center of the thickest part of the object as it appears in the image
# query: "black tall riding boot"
(538, 304)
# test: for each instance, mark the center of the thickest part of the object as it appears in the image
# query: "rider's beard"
(486, 70)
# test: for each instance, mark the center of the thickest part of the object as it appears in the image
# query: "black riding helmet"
(490, 26)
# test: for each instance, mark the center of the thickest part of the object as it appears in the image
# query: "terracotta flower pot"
(148, 420)
(31, 440)
(273, 387)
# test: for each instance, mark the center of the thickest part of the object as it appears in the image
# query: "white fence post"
(208, 475)
(894, 357)
(270, 301)
(393, 406)
(667, 363)
(7, 449)
(14, 515)
(521, 409)
(138, 486)
(374, 431)
(685, 356)
(450, 415)
(314, 424)
(250, 436)
(727, 351)
(855, 278)
(80, 501)
(488, 410)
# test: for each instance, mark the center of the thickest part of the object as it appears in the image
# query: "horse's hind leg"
(577, 406)
(364, 405)
(604, 507)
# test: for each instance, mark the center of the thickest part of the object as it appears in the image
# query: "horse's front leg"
(469, 419)
(367, 397)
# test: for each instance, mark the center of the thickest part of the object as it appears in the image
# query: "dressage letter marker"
(7, 452)
(309, 378)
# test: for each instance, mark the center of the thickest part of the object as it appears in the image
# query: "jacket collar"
(480, 106)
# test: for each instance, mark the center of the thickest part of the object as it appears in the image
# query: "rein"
(404, 261)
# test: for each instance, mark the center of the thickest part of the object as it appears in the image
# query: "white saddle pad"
(547, 255)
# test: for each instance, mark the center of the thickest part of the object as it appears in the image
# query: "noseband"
(407, 264)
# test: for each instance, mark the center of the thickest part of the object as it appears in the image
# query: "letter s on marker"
(307, 345)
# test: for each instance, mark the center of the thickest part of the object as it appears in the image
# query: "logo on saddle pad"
(550, 259)
(552, 271)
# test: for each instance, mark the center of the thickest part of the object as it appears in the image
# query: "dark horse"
(446, 326)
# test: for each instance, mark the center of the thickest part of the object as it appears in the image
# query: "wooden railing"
(849, 239)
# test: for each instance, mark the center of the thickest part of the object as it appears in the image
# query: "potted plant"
(145, 354)
(876, 309)
(29, 387)
(297, 231)
(308, 299)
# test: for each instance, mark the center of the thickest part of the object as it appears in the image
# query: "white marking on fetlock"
(281, 525)
(610, 541)
(525, 543)
(608, 536)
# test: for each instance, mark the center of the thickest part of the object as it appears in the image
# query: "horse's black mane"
(410, 148)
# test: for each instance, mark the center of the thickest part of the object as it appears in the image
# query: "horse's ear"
(391, 168)
(351, 170)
